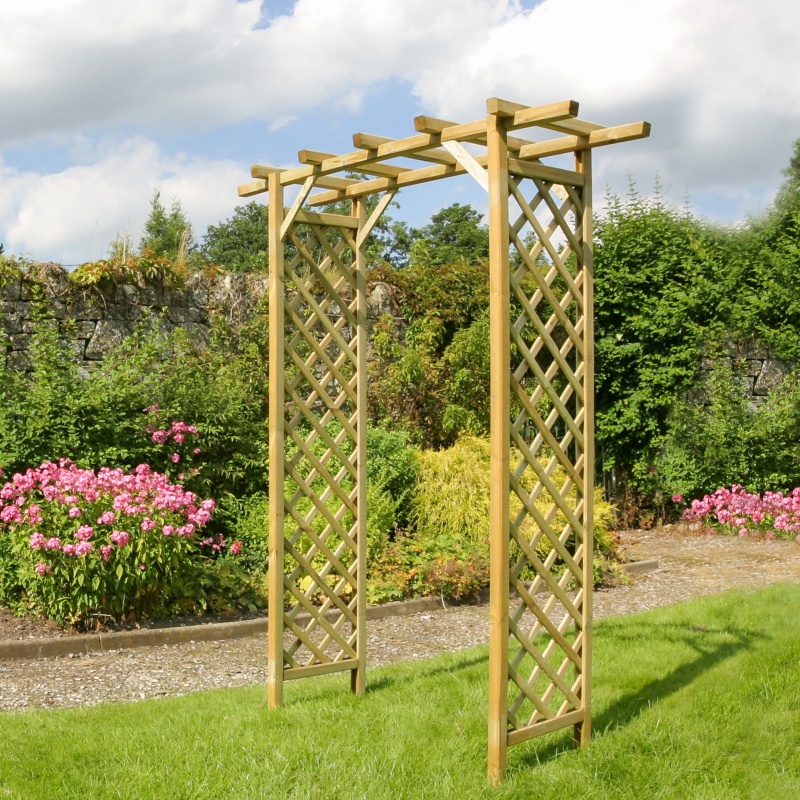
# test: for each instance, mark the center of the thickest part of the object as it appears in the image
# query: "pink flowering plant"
(177, 445)
(105, 543)
(735, 510)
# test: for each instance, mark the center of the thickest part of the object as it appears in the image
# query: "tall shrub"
(722, 439)
(665, 282)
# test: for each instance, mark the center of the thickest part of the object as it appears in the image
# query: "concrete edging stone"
(213, 631)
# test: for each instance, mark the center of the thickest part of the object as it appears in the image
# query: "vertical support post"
(358, 677)
(276, 444)
(583, 164)
(500, 358)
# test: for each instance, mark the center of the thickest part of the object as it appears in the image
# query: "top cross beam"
(437, 142)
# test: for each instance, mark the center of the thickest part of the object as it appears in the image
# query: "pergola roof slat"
(252, 188)
(386, 170)
(568, 144)
(580, 126)
(262, 171)
(368, 141)
(374, 151)
(426, 174)
(524, 116)
(434, 125)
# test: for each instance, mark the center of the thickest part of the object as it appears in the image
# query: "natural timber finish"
(276, 447)
(376, 151)
(499, 319)
(318, 427)
(542, 403)
(359, 675)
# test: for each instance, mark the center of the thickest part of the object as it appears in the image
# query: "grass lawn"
(699, 700)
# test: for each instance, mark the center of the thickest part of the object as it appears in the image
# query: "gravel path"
(691, 566)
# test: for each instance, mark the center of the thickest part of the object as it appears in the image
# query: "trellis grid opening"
(542, 407)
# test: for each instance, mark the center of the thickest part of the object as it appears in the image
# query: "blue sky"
(104, 101)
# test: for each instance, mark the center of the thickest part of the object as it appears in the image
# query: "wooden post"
(499, 316)
(276, 445)
(583, 164)
(358, 677)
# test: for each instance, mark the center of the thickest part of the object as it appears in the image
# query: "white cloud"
(72, 215)
(74, 65)
(716, 79)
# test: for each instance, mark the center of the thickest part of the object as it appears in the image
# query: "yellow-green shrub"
(451, 499)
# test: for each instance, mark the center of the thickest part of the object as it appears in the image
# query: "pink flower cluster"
(744, 512)
(177, 432)
(218, 543)
(122, 504)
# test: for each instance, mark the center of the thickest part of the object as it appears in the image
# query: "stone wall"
(754, 369)
(93, 320)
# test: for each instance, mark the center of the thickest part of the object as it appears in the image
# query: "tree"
(772, 282)
(239, 244)
(664, 285)
(165, 234)
(454, 234)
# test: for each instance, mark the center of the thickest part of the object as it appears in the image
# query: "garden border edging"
(29, 649)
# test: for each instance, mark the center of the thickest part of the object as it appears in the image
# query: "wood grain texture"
(276, 445)
(542, 458)
(500, 367)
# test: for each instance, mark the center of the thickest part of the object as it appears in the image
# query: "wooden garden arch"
(542, 365)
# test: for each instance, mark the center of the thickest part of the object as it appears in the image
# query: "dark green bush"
(393, 468)
(724, 440)
(100, 419)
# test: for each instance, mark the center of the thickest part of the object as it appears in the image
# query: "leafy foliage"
(723, 440)
(393, 468)
(770, 287)
(668, 287)
(167, 234)
(417, 376)
(129, 268)
(99, 420)
(451, 503)
(239, 244)
(665, 285)
(454, 234)
(467, 370)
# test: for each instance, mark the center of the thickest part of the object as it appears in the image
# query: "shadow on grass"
(709, 653)
(712, 646)
(386, 681)
(336, 687)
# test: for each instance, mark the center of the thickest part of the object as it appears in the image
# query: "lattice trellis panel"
(542, 479)
(550, 484)
(316, 602)
(321, 553)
